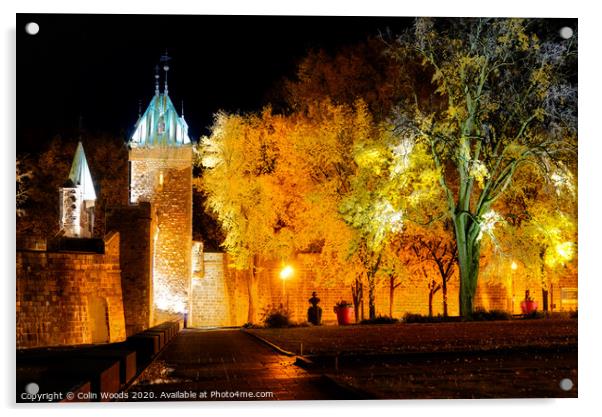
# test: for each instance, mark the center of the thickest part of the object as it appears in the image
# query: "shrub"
(480, 314)
(343, 304)
(275, 317)
(534, 315)
(420, 318)
(380, 320)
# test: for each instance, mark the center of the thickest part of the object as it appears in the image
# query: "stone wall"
(55, 293)
(209, 293)
(136, 225)
(163, 176)
(220, 296)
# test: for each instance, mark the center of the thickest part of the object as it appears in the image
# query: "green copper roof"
(80, 174)
(160, 125)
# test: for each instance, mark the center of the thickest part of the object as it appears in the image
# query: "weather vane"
(165, 59)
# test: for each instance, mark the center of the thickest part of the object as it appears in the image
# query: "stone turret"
(77, 199)
(160, 158)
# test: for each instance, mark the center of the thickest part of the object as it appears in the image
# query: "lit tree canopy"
(275, 183)
(510, 100)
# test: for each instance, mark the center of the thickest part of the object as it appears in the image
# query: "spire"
(160, 124)
(80, 174)
(165, 59)
(156, 80)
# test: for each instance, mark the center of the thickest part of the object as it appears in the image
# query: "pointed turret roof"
(160, 125)
(80, 175)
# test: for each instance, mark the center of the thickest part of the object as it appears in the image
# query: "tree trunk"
(371, 296)
(391, 294)
(358, 297)
(544, 297)
(544, 282)
(252, 292)
(431, 293)
(362, 299)
(444, 294)
(469, 253)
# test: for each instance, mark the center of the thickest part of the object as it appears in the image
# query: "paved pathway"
(210, 361)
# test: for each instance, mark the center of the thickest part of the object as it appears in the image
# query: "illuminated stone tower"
(77, 198)
(160, 158)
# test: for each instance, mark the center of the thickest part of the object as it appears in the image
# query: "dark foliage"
(276, 317)
(534, 315)
(480, 314)
(421, 318)
(107, 158)
(380, 320)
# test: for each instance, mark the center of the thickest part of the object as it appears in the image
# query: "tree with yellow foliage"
(509, 100)
(275, 184)
(540, 227)
(239, 158)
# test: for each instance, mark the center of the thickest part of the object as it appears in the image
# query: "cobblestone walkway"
(226, 362)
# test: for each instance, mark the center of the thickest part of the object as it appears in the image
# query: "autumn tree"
(360, 71)
(540, 227)
(394, 186)
(275, 184)
(48, 171)
(239, 157)
(510, 100)
(435, 252)
(22, 186)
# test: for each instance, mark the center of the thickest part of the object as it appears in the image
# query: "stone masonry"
(136, 226)
(162, 175)
(59, 293)
(220, 293)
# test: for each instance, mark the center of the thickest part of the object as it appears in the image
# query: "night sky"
(95, 69)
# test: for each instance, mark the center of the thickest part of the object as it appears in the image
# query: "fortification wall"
(69, 298)
(136, 225)
(220, 294)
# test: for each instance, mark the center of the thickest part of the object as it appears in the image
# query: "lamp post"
(285, 274)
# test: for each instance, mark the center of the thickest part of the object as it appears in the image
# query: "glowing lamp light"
(286, 272)
(514, 266)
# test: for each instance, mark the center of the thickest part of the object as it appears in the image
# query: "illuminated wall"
(136, 225)
(162, 175)
(69, 298)
(211, 303)
(220, 297)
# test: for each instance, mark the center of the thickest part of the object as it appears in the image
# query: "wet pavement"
(227, 364)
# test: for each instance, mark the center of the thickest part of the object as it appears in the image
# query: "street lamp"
(286, 273)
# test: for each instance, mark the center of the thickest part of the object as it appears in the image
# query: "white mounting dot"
(32, 388)
(566, 384)
(32, 28)
(566, 32)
